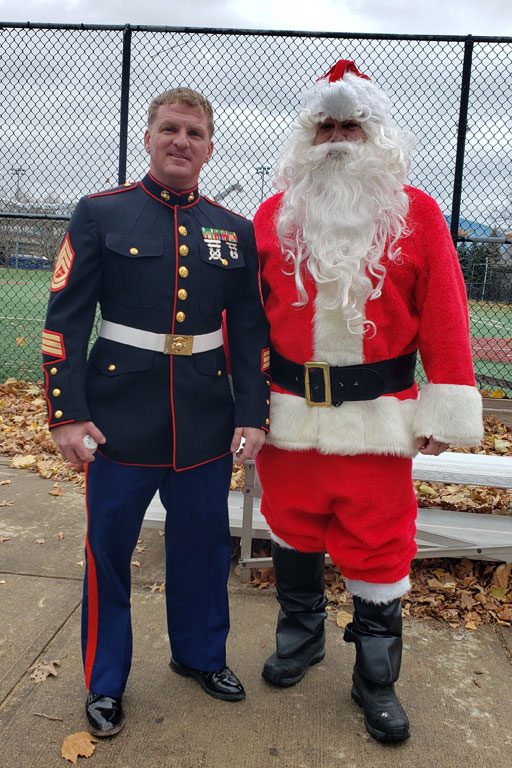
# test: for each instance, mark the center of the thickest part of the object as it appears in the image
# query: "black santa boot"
(377, 632)
(300, 634)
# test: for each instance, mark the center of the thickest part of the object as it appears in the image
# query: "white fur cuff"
(451, 413)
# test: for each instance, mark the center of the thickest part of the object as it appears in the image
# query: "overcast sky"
(437, 17)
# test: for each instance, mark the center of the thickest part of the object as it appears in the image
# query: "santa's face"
(332, 130)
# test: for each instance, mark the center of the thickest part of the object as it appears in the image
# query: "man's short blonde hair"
(182, 96)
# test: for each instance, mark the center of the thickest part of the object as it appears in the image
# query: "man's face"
(179, 144)
(332, 130)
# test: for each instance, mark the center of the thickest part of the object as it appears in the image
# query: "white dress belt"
(168, 343)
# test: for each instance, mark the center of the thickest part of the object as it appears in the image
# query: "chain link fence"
(75, 100)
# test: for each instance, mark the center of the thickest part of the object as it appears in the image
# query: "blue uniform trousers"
(198, 552)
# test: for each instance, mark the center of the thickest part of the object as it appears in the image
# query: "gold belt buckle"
(327, 384)
(178, 345)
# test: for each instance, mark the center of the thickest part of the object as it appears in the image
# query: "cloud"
(457, 17)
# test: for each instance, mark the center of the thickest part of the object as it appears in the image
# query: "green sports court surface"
(24, 295)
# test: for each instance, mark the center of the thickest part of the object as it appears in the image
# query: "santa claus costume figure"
(358, 274)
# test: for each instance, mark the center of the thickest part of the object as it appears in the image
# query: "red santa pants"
(360, 509)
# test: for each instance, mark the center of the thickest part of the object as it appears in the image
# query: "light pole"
(236, 187)
(18, 172)
(263, 170)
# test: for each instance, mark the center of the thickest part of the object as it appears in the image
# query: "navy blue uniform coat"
(140, 252)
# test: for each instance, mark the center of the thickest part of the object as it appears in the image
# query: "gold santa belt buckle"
(175, 344)
(324, 367)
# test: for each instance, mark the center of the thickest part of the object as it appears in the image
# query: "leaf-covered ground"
(459, 592)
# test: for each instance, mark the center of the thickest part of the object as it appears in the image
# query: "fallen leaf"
(136, 563)
(498, 592)
(502, 446)
(80, 563)
(427, 490)
(6, 503)
(60, 535)
(5, 482)
(343, 618)
(143, 548)
(57, 490)
(502, 575)
(80, 744)
(156, 588)
(21, 341)
(43, 669)
(32, 389)
(23, 462)
(5, 538)
(40, 541)
(2, 581)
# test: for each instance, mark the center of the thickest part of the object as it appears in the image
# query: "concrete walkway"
(455, 684)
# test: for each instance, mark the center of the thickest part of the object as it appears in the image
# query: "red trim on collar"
(170, 189)
(169, 205)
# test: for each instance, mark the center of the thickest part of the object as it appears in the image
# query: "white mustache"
(342, 152)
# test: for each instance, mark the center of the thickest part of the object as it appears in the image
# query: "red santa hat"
(346, 94)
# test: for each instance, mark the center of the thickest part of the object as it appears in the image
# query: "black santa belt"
(323, 385)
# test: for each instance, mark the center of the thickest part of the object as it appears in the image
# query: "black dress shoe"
(104, 713)
(223, 683)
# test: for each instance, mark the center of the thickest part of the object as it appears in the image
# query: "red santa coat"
(422, 306)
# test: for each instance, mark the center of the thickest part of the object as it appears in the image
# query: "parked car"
(29, 261)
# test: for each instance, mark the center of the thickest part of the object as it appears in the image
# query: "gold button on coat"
(111, 367)
(55, 392)
(182, 294)
(134, 251)
(165, 195)
(180, 316)
(58, 414)
(219, 373)
(182, 230)
(267, 421)
(191, 197)
(183, 250)
(183, 272)
(225, 262)
(53, 371)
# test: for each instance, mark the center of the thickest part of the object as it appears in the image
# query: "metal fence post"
(461, 138)
(125, 97)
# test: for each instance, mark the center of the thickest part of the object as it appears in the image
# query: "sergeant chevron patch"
(53, 344)
(63, 265)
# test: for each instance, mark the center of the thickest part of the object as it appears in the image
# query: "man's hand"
(254, 440)
(430, 447)
(70, 440)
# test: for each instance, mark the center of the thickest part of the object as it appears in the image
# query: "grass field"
(24, 295)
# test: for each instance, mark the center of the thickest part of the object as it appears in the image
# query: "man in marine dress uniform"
(163, 263)
(358, 272)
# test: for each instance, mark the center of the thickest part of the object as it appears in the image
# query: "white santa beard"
(350, 202)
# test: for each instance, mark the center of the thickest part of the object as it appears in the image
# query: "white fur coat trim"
(451, 413)
(373, 426)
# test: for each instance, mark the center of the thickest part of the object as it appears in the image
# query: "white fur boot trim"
(378, 593)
